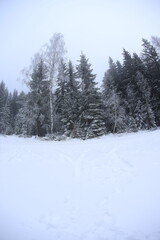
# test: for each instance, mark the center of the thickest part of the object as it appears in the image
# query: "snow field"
(100, 189)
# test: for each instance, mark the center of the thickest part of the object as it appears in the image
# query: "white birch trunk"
(53, 53)
(51, 111)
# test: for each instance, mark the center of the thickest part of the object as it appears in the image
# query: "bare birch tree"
(53, 52)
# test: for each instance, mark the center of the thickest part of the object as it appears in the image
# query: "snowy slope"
(100, 189)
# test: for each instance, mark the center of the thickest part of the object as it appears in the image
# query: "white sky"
(99, 28)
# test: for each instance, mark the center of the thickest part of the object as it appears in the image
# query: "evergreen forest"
(63, 99)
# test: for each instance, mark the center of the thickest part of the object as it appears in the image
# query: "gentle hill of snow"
(99, 189)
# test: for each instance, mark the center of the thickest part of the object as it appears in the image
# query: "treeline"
(64, 100)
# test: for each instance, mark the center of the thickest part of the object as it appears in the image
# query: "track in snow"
(104, 188)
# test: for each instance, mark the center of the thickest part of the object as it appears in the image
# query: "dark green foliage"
(14, 108)
(72, 99)
(38, 100)
(33, 116)
(144, 113)
(91, 120)
(112, 97)
(127, 95)
(5, 126)
(129, 100)
(67, 97)
(9, 108)
(152, 62)
(91, 117)
(60, 101)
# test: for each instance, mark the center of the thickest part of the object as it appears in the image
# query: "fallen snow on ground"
(99, 189)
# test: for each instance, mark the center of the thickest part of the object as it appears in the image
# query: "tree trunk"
(51, 111)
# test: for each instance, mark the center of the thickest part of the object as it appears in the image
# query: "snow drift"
(106, 188)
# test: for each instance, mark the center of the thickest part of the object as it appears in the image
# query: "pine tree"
(3, 94)
(152, 62)
(34, 115)
(67, 97)
(60, 98)
(22, 117)
(91, 118)
(130, 88)
(156, 44)
(127, 64)
(114, 110)
(14, 107)
(144, 113)
(5, 125)
(137, 94)
(72, 100)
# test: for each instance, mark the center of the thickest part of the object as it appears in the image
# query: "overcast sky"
(99, 28)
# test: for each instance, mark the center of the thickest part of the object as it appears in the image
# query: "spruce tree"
(67, 99)
(145, 117)
(60, 98)
(152, 62)
(22, 117)
(114, 110)
(14, 107)
(5, 122)
(36, 108)
(72, 99)
(91, 117)
(5, 118)
(131, 89)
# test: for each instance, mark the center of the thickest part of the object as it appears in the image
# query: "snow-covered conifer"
(91, 117)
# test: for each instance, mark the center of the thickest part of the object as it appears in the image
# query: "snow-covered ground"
(100, 189)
